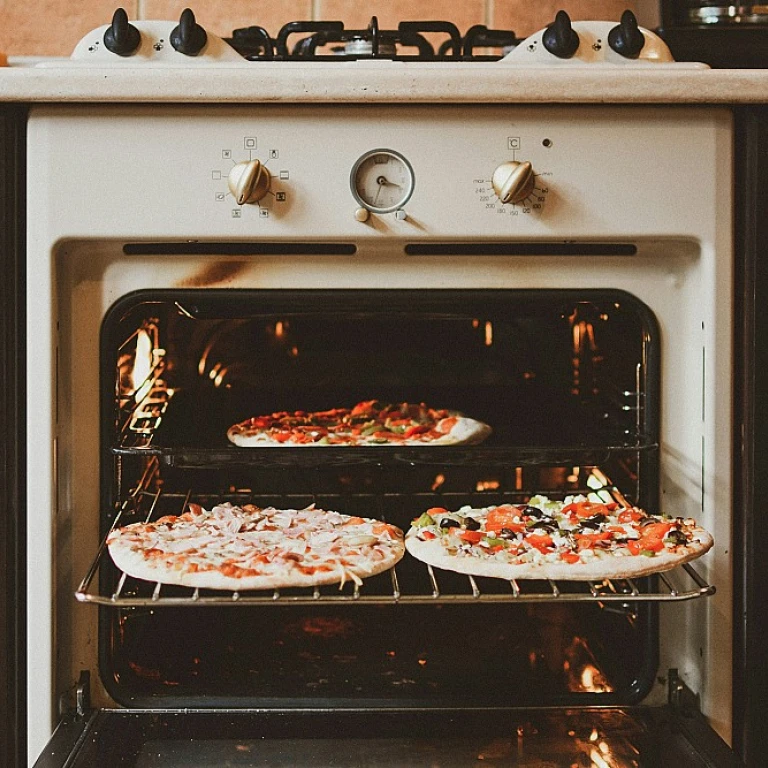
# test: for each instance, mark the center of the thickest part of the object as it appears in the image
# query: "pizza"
(232, 547)
(368, 423)
(574, 539)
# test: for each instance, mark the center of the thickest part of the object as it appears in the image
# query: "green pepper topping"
(424, 521)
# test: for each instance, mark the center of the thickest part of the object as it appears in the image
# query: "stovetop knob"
(626, 38)
(249, 181)
(121, 37)
(513, 181)
(559, 37)
(188, 37)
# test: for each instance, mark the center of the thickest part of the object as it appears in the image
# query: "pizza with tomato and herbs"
(574, 539)
(367, 423)
(232, 547)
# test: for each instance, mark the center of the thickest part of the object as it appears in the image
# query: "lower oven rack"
(682, 583)
(408, 582)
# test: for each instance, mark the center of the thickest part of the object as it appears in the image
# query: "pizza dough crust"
(465, 431)
(170, 562)
(609, 567)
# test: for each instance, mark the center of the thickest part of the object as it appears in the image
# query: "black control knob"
(626, 38)
(121, 37)
(188, 37)
(559, 38)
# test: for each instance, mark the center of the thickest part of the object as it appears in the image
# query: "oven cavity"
(567, 379)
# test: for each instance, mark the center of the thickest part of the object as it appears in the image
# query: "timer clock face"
(382, 181)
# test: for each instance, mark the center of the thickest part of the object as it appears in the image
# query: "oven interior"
(568, 379)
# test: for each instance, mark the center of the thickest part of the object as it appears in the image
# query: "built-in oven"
(590, 322)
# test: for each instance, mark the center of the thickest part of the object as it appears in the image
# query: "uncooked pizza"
(232, 547)
(368, 423)
(574, 539)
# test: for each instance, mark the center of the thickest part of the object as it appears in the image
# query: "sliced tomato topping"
(588, 540)
(417, 429)
(428, 535)
(282, 437)
(432, 511)
(570, 557)
(471, 536)
(586, 509)
(540, 541)
(504, 517)
(630, 516)
(651, 543)
(446, 425)
(655, 530)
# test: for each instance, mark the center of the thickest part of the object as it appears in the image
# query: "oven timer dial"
(513, 181)
(249, 181)
(382, 181)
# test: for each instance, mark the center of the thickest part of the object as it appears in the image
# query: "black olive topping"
(533, 512)
(446, 522)
(598, 518)
(676, 537)
(543, 525)
(507, 533)
(471, 524)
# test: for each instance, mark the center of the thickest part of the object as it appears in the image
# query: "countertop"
(383, 82)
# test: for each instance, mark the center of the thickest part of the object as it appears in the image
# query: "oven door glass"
(590, 737)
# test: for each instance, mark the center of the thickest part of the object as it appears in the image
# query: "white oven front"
(124, 199)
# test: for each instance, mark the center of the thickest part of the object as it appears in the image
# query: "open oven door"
(615, 737)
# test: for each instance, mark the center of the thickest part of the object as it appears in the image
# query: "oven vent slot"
(239, 249)
(521, 249)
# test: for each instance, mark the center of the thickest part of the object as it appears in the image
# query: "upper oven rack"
(311, 457)
(408, 582)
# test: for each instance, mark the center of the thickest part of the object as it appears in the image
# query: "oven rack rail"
(679, 584)
(464, 456)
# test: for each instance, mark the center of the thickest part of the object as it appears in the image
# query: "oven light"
(475, 323)
(594, 736)
(142, 366)
(597, 760)
(487, 485)
(488, 333)
(439, 480)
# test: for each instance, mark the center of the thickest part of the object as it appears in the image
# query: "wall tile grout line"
(489, 12)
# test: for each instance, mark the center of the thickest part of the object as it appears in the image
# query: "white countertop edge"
(397, 84)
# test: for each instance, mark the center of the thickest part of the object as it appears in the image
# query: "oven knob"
(559, 37)
(626, 38)
(513, 181)
(121, 37)
(188, 37)
(249, 181)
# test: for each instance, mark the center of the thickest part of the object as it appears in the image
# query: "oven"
(237, 264)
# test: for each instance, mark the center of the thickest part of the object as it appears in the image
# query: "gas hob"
(185, 43)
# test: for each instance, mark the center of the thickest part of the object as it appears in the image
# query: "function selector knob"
(121, 37)
(188, 37)
(559, 37)
(249, 181)
(513, 181)
(626, 38)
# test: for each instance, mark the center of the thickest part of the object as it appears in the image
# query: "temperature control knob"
(559, 38)
(249, 181)
(188, 37)
(121, 37)
(513, 181)
(627, 39)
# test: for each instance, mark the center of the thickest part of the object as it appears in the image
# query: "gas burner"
(406, 43)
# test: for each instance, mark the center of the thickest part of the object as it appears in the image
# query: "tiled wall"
(52, 27)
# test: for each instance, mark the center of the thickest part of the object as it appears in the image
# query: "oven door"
(640, 736)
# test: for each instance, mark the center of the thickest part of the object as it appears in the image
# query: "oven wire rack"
(439, 587)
